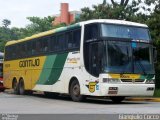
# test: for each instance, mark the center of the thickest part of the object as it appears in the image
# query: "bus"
(1, 72)
(101, 58)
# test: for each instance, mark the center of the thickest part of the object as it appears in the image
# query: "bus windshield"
(119, 31)
(120, 61)
(128, 58)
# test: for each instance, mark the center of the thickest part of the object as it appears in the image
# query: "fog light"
(150, 89)
(152, 81)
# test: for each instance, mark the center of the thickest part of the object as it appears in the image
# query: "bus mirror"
(154, 54)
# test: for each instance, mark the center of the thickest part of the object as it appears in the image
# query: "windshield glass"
(127, 57)
(119, 57)
(119, 31)
(142, 58)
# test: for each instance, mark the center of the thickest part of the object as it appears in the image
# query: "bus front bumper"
(126, 89)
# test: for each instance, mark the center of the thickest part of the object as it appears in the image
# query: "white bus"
(101, 57)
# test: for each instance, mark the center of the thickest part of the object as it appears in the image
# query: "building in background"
(66, 16)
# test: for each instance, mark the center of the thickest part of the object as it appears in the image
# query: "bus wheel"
(15, 87)
(75, 92)
(117, 99)
(21, 87)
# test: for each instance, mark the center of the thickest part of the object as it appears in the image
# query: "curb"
(143, 99)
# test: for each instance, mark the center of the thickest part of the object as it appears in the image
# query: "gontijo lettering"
(29, 63)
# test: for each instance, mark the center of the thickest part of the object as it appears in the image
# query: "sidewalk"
(148, 99)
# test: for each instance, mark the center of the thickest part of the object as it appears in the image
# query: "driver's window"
(91, 32)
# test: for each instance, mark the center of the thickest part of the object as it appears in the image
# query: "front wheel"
(75, 92)
(117, 99)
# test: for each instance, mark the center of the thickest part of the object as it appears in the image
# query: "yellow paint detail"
(73, 60)
(125, 76)
(29, 72)
(92, 86)
(32, 37)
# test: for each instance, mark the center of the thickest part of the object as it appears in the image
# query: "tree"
(6, 23)
(122, 3)
(110, 11)
(154, 25)
(39, 25)
(104, 2)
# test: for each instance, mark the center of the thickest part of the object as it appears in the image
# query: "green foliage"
(111, 11)
(38, 25)
(157, 93)
(6, 23)
(154, 26)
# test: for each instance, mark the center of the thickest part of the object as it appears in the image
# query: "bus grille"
(132, 80)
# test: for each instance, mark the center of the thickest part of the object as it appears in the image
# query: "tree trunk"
(126, 2)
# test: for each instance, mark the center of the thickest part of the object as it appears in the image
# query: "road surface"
(39, 104)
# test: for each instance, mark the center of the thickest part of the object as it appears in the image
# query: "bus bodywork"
(94, 58)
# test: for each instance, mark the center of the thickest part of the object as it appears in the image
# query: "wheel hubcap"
(76, 90)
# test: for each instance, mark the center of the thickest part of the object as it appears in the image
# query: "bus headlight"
(151, 81)
(111, 80)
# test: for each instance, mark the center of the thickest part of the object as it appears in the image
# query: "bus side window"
(69, 39)
(61, 42)
(29, 48)
(76, 38)
(52, 40)
(25, 49)
(22, 49)
(38, 47)
(33, 47)
(46, 44)
(16, 52)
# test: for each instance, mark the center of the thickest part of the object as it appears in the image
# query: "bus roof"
(113, 21)
(110, 21)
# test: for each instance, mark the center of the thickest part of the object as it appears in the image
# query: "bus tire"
(21, 87)
(117, 99)
(74, 91)
(15, 87)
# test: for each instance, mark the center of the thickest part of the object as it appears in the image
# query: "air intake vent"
(132, 80)
(126, 80)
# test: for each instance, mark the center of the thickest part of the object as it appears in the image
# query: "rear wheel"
(117, 99)
(15, 87)
(75, 92)
(21, 88)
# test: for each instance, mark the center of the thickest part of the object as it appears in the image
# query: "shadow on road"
(89, 100)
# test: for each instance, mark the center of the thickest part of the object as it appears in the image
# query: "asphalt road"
(39, 104)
